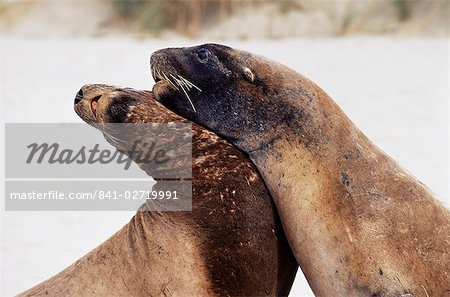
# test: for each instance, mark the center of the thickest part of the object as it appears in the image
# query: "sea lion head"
(98, 103)
(236, 94)
(132, 120)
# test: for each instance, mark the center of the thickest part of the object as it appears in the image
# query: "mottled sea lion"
(358, 223)
(230, 244)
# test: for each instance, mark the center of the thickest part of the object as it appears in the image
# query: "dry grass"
(189, 17)
(184, 16)
(228, 18)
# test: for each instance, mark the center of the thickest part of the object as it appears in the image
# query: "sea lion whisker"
(185, 88)
(184, 83)
(96, 125)
(108, 133)
(173, 77)
(188, 87)
(175, 81)
(113, 139)
(178, 81)
(169, 81)
(158, 73)
(189, 82)
(189, 99)
(154, 73)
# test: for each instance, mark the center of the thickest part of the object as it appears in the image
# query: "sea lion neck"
(339, 196)
(310, 120)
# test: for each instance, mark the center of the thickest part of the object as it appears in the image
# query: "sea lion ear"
(249, 74)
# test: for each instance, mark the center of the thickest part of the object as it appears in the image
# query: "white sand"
(395, 90)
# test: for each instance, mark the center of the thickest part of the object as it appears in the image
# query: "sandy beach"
(395, 89)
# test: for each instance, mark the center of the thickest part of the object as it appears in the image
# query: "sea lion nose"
(79, 96)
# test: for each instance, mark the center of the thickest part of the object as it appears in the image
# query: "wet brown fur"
(358, 223)
(230, 244)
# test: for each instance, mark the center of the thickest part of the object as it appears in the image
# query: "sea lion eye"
(203, 54)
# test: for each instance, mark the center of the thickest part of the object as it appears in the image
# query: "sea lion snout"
(86, 102)
(100, 103)
(164, 59)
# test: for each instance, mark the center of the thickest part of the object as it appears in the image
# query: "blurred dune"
(225, 19)
(48, 18)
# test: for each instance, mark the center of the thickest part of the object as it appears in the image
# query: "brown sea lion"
(230, 244)
(358, 223)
